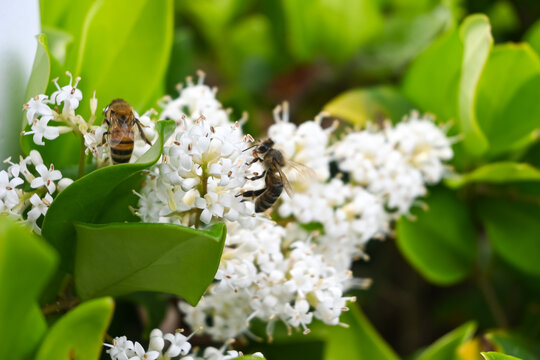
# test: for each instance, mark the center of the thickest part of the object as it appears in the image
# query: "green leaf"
(477, 41)
(533, 36)
(39, 77)
(499, 172)
(491, 355)
(507, 107)
(117, 259)
(125, 58)
(359, 106)
(441, 242)
(360, 341)
(431, 81)
(513, 229)
(87, 198)
(446, 347)
(339, 32)
(79, 334)
(26, 264)
(249, 357)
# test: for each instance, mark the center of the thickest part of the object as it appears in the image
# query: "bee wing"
(118, 132)
(304, 172)
(285, 181)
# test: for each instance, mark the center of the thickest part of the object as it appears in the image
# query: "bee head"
(265, 146)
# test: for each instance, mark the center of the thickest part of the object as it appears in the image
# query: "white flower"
(7, 189)
(69, 94)
(179, 344)
(121, 348)
(36, 107)
(141, 354)
(39, 206)
(41, 130)
(47, 178)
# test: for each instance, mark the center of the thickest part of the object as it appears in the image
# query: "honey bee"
(120, 119)
(274, 178)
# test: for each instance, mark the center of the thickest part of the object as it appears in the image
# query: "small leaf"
(507, 90)
(26, 264)
(513, 229)
(250, 357)
(88, 197)
(533, 36)
(359, 106)
(499, 172)
(39, 77)
(477, 41)
(447, 346)
(497, 356)
(430, 88)
(441, 242)
(512, 343)
(78, 334)
(360, 341)
(117, 259)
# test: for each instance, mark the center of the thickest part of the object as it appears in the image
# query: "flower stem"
(203, 192)
(82, 158)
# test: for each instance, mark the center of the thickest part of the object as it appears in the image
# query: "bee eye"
(263, 148)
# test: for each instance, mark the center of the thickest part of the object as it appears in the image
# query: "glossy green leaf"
(87, 198)
(492, 355)
(512, 344)
(507, 107)
(34, 327)
(446, 347)
(533, 36)
(512, 229)
(117, 259)
(26, 264)
(39, 77)
(360, 341)
(79, 334)
(249, 357)
(370, 104)
(339, 32)
(125, 58)
(499, 172)
(441, 242)
(475, 34)
(432, 80)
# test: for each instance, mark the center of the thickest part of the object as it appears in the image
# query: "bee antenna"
(246, 149)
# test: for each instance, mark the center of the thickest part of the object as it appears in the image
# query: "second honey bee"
(274, 179)
(120, 119)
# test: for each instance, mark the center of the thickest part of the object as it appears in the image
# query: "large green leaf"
(79, 334)
(513, 228)
(369, 104)
(360, 341)
(492, 355)
(498, 172)
(507, 107)
(446, 347)
(26, 264)
(475, 34)
(441, 242)
(121, 258)
(87, 198)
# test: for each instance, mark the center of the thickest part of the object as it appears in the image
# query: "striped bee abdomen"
(270, 195)
(121, 152)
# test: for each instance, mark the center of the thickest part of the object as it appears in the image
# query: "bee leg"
(256, 176)
(142, 132)
(106, 122)
(104, 138)
(251, 193)
(253, 161)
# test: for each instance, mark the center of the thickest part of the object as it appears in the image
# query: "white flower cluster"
(178, 346)
(203, 165)
(270, 274)
(29, 184)
(275, 272)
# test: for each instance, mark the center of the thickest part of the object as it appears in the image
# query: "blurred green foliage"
(466, 266)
